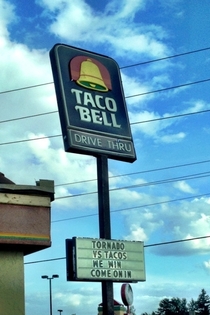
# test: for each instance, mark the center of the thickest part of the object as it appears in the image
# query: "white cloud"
(125, 8)
(155, 128)
(80, 23)
(198, 105)
(171, 222)
(200, 225)
(77, 298)
(7, 15)
(142, 223)
(25, 67)
(185, 187)
(207, 265)
(133, 87)
(145, 127)
(65, 168)
(172, 138)
(137, 234)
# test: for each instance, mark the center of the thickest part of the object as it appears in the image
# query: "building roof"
(5, 180)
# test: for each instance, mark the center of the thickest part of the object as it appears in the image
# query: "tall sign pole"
(94, 121)
(105, 226)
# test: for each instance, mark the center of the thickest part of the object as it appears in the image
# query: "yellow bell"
(90, 77)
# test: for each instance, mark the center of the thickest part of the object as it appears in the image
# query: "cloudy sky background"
(163, 51)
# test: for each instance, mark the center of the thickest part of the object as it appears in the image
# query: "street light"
(60, 311)
(50, 288)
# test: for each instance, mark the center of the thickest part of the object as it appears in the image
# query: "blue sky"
(163, 195)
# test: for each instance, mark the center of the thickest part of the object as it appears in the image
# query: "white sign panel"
(99, 259)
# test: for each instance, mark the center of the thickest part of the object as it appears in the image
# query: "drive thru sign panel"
(91, 103)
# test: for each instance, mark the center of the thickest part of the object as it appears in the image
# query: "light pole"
(60, 311)
(50, 288)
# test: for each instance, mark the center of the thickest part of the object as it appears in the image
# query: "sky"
(162, 49)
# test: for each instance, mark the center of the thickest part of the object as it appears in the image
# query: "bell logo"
(91, 103)
(90, 73)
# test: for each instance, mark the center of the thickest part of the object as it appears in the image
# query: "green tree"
(183, 308)
(192, 305)
(203, 303)
(173, 306)
(164, 307)
(177, 306)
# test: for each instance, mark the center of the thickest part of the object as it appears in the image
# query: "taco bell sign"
(91, 103)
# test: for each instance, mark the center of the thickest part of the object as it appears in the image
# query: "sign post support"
(105, 226)
(94, 121)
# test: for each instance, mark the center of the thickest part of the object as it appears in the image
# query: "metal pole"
(105, 226)
(50, 287)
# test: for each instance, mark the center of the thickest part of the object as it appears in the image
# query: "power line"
(178, 241)
(134, 207)
(53, 136)
(123, 67)
(44, 260)
(149, 245)
(26, 87)
(26, 117)
(170, 117)
(140, 172)
(31, 139)
(169, 88)
(133, 123)
(165, 58)
(128, 96)
(158, 182)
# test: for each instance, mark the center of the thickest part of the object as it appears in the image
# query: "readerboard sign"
(91, 103)
(99, 259)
